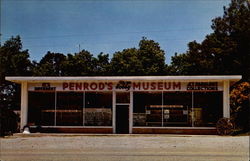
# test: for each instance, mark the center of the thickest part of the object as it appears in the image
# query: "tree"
(80, 64)
(126, 62)
(192, 62)
(148, 59)
(233, 31)
(152, 57)
(13, 62)
(226, 50)
(240, 102)
(51, 64)
(101, 64)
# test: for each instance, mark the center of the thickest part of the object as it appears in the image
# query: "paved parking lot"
(43, 147)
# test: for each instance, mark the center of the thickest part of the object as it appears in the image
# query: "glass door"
(122, 112)
(122, 119)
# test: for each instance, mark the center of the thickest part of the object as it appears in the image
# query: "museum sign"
(127, 86)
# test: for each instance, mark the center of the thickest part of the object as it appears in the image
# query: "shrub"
(8, 122)
(239, 102)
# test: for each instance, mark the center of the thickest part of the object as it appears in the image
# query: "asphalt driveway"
(45, 147)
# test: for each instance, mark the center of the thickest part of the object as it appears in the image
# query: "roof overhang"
(58, 79)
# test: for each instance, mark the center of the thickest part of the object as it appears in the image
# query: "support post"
(226, 99)
(114, 112)
(192, 109)
(83, 109)
(24, 105)
(55, 109)
(131, 113)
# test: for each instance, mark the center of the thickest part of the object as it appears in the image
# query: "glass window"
(98, 109)
(208, 108)
(122, 97)
(175, 108)
(69, 109)
(147, 109)
(72, 108)
(41, 111)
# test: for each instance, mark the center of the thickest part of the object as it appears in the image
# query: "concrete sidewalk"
(112, 147)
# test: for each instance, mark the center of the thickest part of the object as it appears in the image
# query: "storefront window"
(98, 109)
(147, 109)
(122, 97)
(173, 109)
(69, 109)
(150, 109)
(176, 106)
(41, 108)
(208, 108)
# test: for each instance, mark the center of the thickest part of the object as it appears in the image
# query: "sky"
(65, 26)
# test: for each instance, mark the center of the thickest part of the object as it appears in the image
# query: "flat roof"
(34, 79)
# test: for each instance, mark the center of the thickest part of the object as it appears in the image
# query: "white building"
(124, 104)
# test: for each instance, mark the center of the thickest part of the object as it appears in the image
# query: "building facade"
(124, 104)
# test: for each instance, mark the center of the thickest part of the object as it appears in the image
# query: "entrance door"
(122, 119)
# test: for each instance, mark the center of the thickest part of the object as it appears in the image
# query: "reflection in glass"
(147, 109)
(98, 109)
(175, 108)
(122, 97)
(69, 109)
(208, 108)
(41, 111)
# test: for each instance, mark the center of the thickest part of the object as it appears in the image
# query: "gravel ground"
(43, 147)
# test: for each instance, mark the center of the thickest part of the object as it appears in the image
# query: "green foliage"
(79, 64)
(13, 60)
(50, 65)
(226, 50)
(240, 102)
(233, 34)
(8, 122)
(101, 64)
(126, 62)
(149, 59)
(152, 57)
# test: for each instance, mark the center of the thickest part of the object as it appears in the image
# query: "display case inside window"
(98, 109)
(145, 111)
(69, 110)
(162, 108)
(176, 108)
(153, 115)
(195, 117)
(41, 111)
